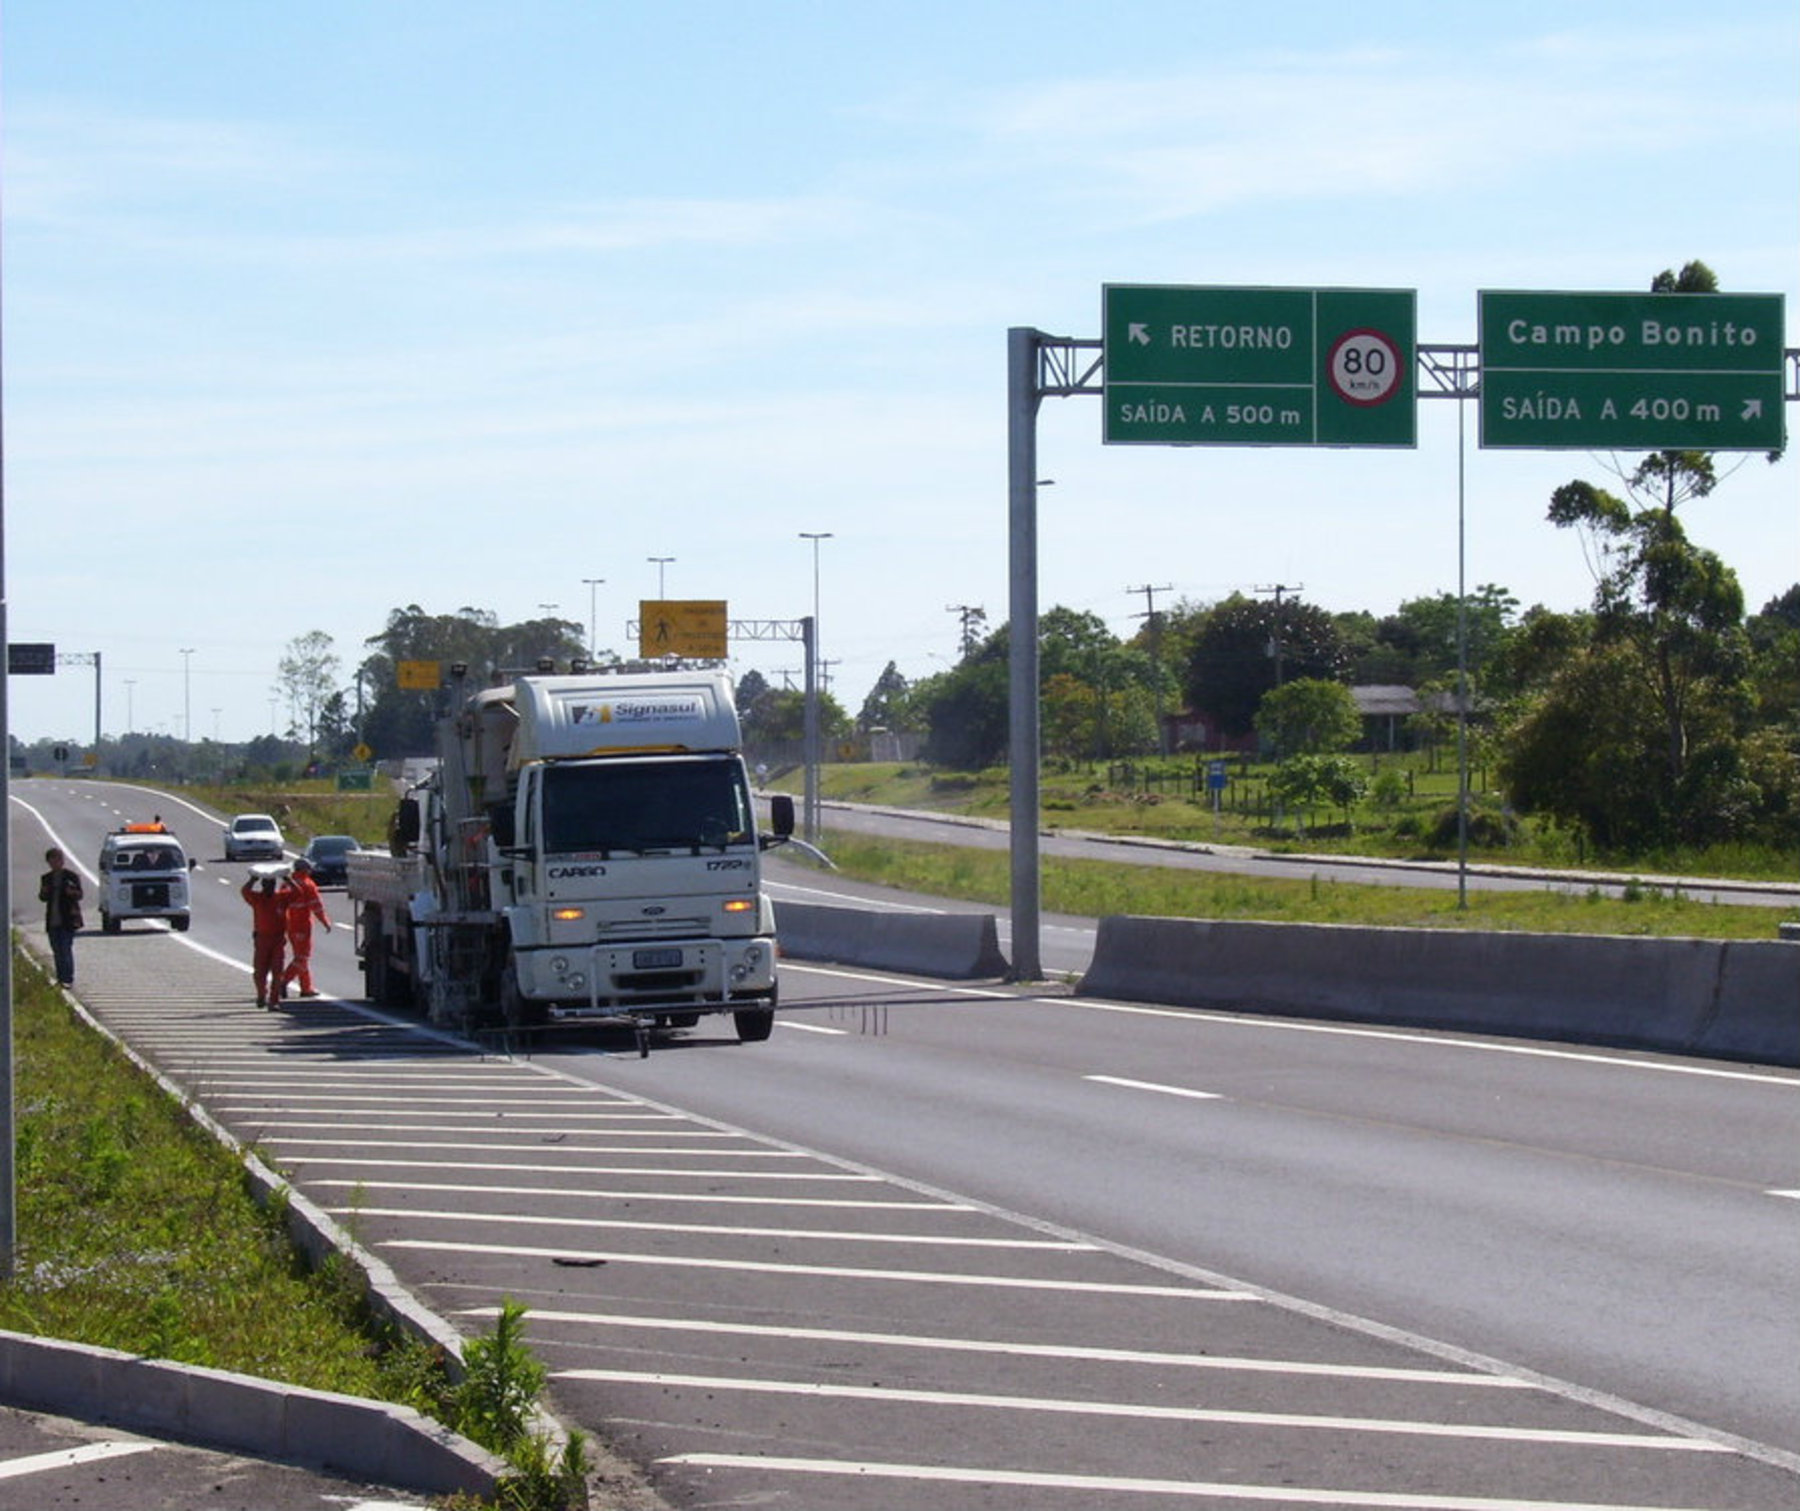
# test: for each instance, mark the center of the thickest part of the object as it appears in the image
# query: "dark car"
(328, 857)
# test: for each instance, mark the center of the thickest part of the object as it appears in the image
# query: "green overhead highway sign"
(1632, 372)
(1258, 366)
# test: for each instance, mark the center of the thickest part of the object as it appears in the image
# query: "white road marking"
(512, 1168)
(1114, 1485)
(305, 1143)
(1015, 1349)
(837, 1272)
(1143, 1413)
(703, 1198)
(1172, 1091)
(66, 1458)
(729, 1230)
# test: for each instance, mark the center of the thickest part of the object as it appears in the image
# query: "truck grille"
(654, 928)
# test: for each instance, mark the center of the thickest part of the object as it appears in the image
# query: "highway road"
(970, 1245)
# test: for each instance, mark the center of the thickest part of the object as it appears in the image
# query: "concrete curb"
(956, 945)
(368, 1440)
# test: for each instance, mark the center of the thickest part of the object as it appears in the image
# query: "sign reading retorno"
(1632, 372)
(1189, 366)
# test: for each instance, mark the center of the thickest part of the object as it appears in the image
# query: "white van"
(143, 874)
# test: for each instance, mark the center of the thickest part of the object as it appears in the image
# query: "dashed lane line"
(1170, 1091)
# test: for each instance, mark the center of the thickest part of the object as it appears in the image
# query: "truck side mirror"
(781, 815)
(405, 827)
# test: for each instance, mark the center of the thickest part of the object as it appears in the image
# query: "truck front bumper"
(605, 980)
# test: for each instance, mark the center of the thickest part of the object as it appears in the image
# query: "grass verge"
(135, 1229)
(1094, 889)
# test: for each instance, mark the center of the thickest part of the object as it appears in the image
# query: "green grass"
(1094, 889)
(136, 1230)
(1155, 799)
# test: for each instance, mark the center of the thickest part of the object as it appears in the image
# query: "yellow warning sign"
(420, 676)
(697, 628)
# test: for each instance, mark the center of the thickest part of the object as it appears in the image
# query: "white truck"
(587, 850)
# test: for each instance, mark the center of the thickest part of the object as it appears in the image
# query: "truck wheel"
(180, 924)
(108, 924)
(754, 1024)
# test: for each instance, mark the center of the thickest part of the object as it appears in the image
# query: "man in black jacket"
(60, 893)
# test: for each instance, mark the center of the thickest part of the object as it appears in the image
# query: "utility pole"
(969, 615)
(1275, 640)
(1153, 622)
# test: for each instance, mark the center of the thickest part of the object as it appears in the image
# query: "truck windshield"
(669, 805)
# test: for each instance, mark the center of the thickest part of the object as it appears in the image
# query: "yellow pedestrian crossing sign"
(696, 628)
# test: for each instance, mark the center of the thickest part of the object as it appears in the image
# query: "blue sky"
(312, 312)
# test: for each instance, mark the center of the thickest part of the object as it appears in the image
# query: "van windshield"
(669, 805)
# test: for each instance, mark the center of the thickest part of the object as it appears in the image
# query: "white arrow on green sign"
(1219, 366)
(1632, 372)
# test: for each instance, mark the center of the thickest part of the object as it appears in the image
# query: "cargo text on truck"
(586, 851)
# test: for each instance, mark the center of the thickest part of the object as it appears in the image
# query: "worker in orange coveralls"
(268, 935)
(303, 905)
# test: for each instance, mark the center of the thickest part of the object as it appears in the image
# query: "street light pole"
(814, 668)
(661, 563)
(593, 644)
(187, 687)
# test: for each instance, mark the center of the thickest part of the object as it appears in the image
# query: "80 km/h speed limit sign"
(1365, 367)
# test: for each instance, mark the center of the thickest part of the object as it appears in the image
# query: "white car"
(253, 836)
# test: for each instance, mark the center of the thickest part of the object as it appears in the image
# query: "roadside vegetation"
(1413, 819)
(136, 1230)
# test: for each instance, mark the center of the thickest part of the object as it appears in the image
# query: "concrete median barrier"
(1737, 1000)
(955, 945)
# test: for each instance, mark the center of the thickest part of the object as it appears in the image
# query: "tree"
(1237, 649)
(888, 705)
(1641, 735)
(306, 676)
(1308, 717)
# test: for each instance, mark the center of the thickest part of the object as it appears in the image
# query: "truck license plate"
(655, 960)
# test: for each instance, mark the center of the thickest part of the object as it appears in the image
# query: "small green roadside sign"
(1221, 366)
(1632, 372)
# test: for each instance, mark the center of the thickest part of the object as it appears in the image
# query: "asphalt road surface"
(976, 1246)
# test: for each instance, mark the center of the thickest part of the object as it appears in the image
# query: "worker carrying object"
(268, 932)
(303, 905)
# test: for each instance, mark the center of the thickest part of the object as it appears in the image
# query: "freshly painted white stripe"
(702, 1198)
(1225, 1362)
(819, 1390)
(310, 1161)
(922, 983)
(1439, 1041)
(839, 1272)
(1172, 1091)
(611, 1224)
(65, 1458)
(810, 1028)
(1791, 1195)
(1116, 1485)
(711, 1153)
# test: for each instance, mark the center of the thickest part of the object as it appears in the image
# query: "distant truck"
(587, 850)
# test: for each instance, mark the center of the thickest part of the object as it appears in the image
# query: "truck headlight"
(560, 964)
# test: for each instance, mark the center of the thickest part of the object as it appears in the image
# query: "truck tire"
(754, 1024)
